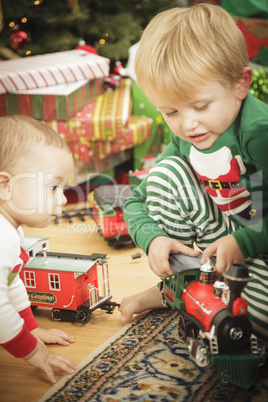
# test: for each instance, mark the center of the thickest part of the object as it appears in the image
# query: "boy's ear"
(243, 84)
(5, 187)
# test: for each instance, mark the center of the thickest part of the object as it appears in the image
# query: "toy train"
(72, 285)
(107, 204)
(213, 318)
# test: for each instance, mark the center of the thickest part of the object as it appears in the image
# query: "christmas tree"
(31, 27)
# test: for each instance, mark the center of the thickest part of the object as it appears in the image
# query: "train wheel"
(82, 316)
(181, 328)
(56, 314)
(112, 243)
(191, 330)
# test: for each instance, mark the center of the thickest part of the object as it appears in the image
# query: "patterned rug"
(146, 362)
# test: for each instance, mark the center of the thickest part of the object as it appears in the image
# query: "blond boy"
(211, 187)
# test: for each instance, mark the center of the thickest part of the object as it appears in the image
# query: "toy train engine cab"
(107, 204)
(72, 285)
(213, 318)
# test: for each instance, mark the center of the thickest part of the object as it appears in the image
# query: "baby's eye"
(54, 188)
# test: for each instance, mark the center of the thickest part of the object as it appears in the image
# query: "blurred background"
(31, 27)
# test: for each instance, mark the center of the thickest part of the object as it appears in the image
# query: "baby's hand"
(43, 358)
(227, 253)
(158, 255)
(52, 336)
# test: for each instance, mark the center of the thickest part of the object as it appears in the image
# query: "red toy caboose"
(73, 285)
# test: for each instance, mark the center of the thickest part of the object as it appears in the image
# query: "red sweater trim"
(29, 319)
(23, 344)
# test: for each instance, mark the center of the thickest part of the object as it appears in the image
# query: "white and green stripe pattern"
(177, 202)
(256, 294)
(181, 207)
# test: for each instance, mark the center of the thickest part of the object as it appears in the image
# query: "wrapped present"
(84, 172)
(94, 151)
(51, 69)
(138, 131)
(60, 102)
(160, 132)
(104, 119)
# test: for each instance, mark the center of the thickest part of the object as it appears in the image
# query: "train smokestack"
(237, 277)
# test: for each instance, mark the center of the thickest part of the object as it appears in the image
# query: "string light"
(28, 52)
(101, 41)
(23, 20)
(11, 24)
(37, 2)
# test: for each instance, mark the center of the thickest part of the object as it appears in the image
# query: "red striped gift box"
(51, 69)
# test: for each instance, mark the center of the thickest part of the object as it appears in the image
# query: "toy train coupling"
(69, 214)
(109, 307)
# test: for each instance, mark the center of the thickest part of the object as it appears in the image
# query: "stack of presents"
(66, 91)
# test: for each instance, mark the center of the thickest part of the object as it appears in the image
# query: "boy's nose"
(189, 120)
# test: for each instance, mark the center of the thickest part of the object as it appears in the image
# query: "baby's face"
(211, 111)
(37, 193)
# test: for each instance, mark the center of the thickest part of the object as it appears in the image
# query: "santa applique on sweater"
(220, 173)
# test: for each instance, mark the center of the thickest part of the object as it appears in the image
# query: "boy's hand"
(227, 253)
(158, 254)
(43, 358)
(52, 336)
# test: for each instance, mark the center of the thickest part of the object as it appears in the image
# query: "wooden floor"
(21, 382)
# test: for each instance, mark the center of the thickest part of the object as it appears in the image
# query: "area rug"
(146, 362)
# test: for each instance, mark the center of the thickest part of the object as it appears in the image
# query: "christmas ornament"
(17, 38)
(118, 67)
(112, 82)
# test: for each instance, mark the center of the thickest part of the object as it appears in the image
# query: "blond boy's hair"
(182, 48)
(20, 137)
